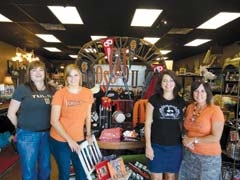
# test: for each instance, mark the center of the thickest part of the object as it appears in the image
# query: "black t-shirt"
(35, 108)
(167, 117)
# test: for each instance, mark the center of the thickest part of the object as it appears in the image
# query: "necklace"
(197, 111)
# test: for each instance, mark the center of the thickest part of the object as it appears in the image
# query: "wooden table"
(4, 107)
(122, 145)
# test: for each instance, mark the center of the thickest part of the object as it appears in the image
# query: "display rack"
(186, 81)
(216, 84)
(230, 103)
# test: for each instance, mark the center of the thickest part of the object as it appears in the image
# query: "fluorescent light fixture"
(67, 15)
(145, 17)
(165, 51)
(74, 56)
(161, 58)
(48, 38)
(197, 42)
(152, 40)
(97, 37)
(219, 20)
(52, 49)
(164, 57)
(4, 19)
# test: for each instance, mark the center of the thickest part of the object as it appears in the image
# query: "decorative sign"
(158, 67)
(108, 45)
(135, 76)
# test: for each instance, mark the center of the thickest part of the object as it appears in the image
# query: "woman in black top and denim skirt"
(164, 115)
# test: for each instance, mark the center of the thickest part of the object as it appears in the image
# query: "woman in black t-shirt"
(163, 128)
(29, 112)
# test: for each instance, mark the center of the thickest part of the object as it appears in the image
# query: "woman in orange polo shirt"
(71, 110)
(204, 124)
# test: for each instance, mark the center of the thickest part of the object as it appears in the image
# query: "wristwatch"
(196, 140)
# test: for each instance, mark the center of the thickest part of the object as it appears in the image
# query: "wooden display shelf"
(4, 107)
(122, 145)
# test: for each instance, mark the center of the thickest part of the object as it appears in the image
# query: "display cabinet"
(186, 81)
(230, 92)
(216, 84)
(58, 78)
(230, 105)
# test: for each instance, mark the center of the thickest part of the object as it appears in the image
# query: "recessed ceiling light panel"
(48, 38)
(152, 40)
(165, 51)
(219, 20)
(197, 42)
(52, 49)
(4, 19)
(145, 17)
(97, 37)
(66, 15)
(73, 56)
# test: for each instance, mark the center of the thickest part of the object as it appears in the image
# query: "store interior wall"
(7, 51)
(192, 63)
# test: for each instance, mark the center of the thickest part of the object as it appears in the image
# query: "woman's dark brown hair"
(28, 81)
(207, 88)
(173, 75)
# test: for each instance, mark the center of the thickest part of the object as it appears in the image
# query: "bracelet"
(196, 140)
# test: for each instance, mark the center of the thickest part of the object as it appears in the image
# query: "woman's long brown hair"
(28, 82)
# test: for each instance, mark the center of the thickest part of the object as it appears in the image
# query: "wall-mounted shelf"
(186, 80)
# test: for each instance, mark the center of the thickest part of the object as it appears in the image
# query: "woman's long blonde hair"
(68, 70)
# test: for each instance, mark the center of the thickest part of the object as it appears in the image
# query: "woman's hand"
(89, 139)
(149, 153)
(188, 142)
(74, 146)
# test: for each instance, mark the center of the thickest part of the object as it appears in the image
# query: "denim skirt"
(166, 159)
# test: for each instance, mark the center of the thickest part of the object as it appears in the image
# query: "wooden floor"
(14, 172)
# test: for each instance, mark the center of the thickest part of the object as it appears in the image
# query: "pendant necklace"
(197, 111)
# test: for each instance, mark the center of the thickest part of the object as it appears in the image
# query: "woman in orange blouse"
(204, 124)
(71, 111)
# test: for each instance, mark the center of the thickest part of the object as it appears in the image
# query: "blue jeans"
(34, 151)
(63, 156)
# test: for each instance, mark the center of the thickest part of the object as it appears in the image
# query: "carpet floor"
(8, 157)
